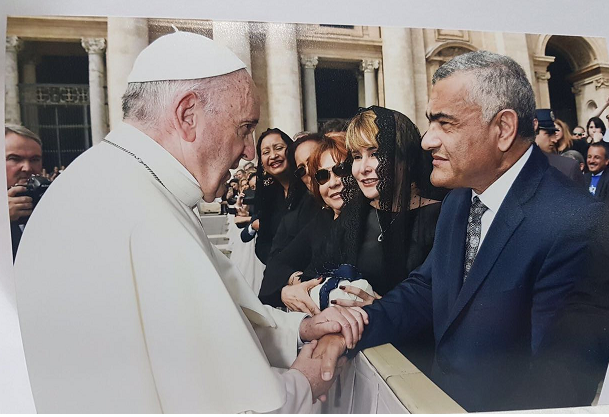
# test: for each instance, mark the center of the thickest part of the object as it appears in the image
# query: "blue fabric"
(594, 183)
(335, 276)
(488, 328)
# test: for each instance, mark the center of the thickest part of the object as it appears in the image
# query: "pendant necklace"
(381, 235)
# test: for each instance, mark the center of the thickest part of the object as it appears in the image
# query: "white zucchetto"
(183, 56)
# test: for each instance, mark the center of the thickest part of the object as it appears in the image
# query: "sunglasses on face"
(300, 171)
(341, 170)
(578, 134)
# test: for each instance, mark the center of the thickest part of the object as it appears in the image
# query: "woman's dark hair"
(597, 123)
(267, 186)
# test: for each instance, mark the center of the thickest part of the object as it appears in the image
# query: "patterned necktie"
(474, 228)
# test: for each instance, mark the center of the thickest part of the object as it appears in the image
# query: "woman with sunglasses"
(289, 275)
(278, 191)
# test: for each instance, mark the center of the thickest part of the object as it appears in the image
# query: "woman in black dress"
(277, 189)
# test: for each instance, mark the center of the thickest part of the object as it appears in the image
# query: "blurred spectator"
(598, 159)
(579, 142)
(23, 150)
(334, 125)
(596, 130)
(573, 154)
(546, 139)
(563, 136)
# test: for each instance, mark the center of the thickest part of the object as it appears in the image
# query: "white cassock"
(126, 307)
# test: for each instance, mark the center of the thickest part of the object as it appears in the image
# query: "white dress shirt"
(494, 195)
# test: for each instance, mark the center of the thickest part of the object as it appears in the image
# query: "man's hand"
(329, 349)
(312, 369)
(367, 299)
(256, 224)
(19, 206)
(347, 321)
(296, 297)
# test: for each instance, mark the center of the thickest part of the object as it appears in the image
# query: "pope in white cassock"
(131, 309)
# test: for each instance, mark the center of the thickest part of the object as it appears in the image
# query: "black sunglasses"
(300, 171)
(342, 170)
(579, 134)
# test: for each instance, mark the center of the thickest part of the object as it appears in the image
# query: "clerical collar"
(170, 172)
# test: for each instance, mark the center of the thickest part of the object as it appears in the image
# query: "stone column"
(310, 99)
(285, 111)
(541, 63)
(398, 71)
(370, 88)
(11, 98)
(127, 37)
(420, 77)
(28, 77)
(361, 93)
(236, 37)
(95, 47)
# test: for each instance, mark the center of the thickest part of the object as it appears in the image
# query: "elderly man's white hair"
(149, 102)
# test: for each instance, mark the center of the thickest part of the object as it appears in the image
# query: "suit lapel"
(506, 221)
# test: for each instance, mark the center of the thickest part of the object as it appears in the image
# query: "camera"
(35, 188)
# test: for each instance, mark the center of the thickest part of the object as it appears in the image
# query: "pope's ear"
(184, 116)
(507, 124)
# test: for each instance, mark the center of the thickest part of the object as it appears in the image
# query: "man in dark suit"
(504, 258)
(546, 139)
(598, 159)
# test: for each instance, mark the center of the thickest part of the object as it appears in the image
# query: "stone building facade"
(306, 73)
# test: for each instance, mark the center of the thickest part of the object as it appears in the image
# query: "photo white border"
(560, 17)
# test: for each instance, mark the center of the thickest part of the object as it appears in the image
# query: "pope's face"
(226, 135)
(23, 159)
(464, 153)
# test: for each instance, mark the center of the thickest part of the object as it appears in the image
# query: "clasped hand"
(337, 329)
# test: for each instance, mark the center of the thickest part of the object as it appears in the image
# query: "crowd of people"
(464, 247)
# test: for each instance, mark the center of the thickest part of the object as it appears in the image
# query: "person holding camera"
(23, 159)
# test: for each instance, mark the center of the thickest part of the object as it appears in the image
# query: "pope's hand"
(329, 349)
(311, 368)
(349, 322)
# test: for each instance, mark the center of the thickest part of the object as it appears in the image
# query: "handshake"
(330, 334)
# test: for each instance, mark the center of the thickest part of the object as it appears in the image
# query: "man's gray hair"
(22, 131)
(148, 102)
(500, 83)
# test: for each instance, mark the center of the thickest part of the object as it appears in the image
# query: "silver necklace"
(137, 158)
(381, 235)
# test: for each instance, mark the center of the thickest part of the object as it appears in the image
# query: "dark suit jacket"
(602, 188)
(15, 237)
(487, 330)
(568, 166)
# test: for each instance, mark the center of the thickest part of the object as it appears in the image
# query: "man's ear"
(184, 117)
(507, 125)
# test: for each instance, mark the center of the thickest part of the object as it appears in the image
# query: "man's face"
(23, 159)
(597, 160)
(225, 135)
(579, 133)
(547, 141)
(464, 154)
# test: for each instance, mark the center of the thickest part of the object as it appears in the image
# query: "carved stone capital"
(601, 83)
(13, 44)
(542, 75)
(309, 61)
(369, 65)
(94, 45)
(576, 90)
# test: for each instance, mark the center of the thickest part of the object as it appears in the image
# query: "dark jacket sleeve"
(295, 257)
(245, 233)
(402, 313)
